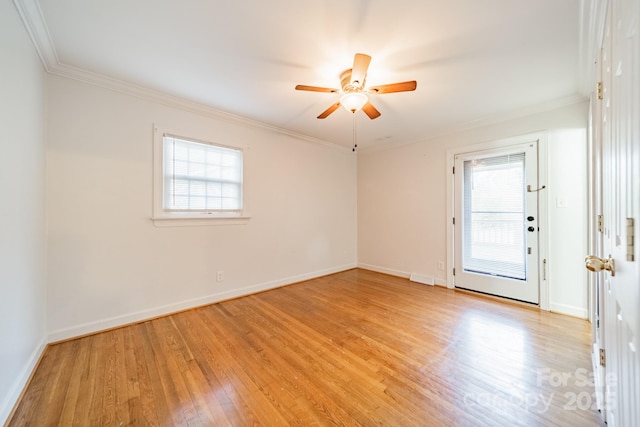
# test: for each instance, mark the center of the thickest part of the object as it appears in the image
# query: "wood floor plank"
(249, 387)
(198, 379)
(320, 359)
(356, 348)
(150, 354)
(94, 385)
(58, 383)
(290, 370)
(170, 363)
(214, 369)
(74, 393)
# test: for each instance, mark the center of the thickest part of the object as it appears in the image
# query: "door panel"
(620, 163)
(496, 222)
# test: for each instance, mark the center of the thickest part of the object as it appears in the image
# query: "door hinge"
(599, 91)
(454, 271)
(454, 170)
(630, 239)
(454, 220)
(603, 358)
(600, 223)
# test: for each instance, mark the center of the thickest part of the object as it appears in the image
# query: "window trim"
(166, 218)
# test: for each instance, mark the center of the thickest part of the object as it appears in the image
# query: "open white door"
(620, 257)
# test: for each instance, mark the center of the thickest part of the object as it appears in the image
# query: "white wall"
(402, 202)
(568, 228)
(22, 211)
(108, 264)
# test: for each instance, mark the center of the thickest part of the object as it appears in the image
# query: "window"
(196, 179)
(199, 177)
(494, 216)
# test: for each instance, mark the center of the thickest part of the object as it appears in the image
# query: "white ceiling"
(474, 60)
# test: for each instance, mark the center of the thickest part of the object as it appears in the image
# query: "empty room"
(320, 213)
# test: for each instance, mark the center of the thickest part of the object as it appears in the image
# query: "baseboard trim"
(389, 271)
(165, 310)
(569, 310)
(425, 279)
(9, 403)
(441, 282)
(437, 281)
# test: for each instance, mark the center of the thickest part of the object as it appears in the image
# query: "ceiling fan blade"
(316, 88)
(371, 111)
(329, 110)
(394, 87)
(359, 71)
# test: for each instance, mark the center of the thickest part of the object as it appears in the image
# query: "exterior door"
(496, 221)
(619, 262)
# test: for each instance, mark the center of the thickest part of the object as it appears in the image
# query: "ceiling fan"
(353, 89)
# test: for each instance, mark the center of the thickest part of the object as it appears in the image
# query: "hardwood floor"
(354, 348)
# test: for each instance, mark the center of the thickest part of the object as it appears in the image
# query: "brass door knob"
(594, 263)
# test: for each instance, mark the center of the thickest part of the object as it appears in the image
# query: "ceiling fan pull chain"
(355, 141)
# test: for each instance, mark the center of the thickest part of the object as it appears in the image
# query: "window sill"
(199, 220)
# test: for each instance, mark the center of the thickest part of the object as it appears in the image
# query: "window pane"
(181, 187)
(229, 174)
(494, 209)
(230, 204)
(213, 172)
(214, 203)
(214, 189)
(197, 169)
(230, 190)
(196, 154)
(180, 168)
(213, 157)
(198, 188)
(181, 152)
(181, 202)
(229, 159)
(200, 176)
(196, 202)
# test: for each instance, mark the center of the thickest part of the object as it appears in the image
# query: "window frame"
(165, 217)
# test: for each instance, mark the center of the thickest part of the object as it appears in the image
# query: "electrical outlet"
(220, 276)
(441, 265)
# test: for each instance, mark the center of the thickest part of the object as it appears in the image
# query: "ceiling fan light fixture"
(352, 84)
(353, 101)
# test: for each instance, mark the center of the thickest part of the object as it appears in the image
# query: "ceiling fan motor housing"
(347, 85)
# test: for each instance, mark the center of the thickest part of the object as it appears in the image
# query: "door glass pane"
(493, 212)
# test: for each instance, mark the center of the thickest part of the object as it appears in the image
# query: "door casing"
(543, 204)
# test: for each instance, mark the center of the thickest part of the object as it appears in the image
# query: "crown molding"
(490, 120)
(34, 22)
(31, 16)
(79, 74)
